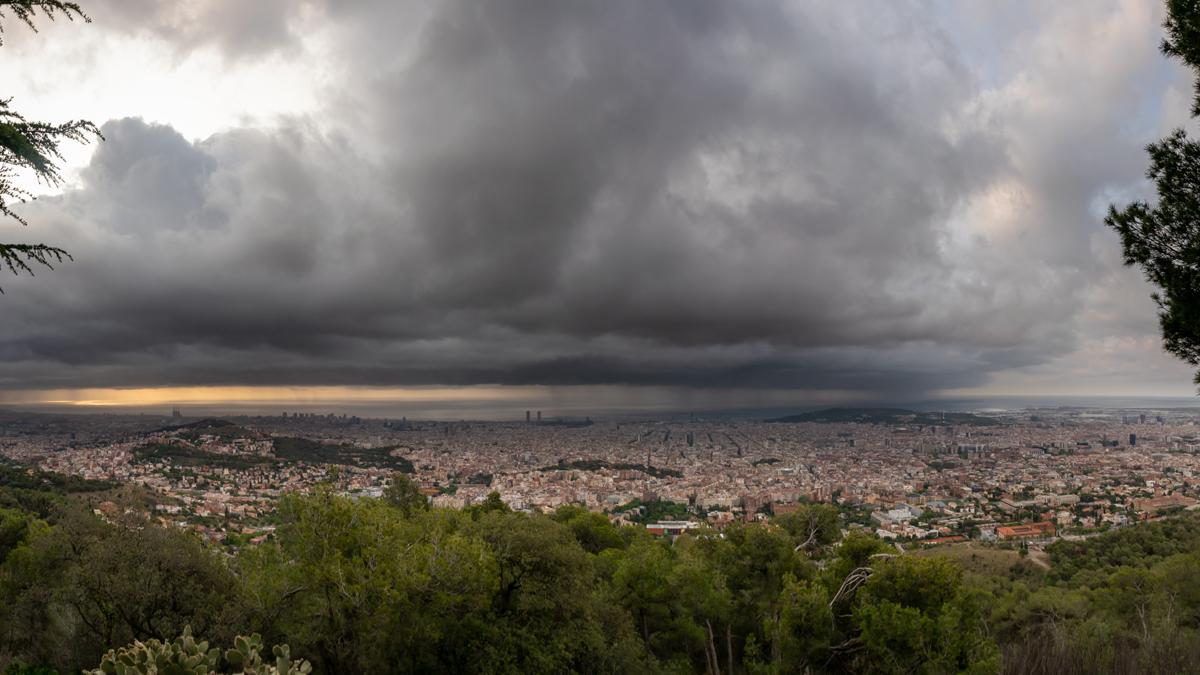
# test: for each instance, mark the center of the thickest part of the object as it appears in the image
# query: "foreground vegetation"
(393, 586)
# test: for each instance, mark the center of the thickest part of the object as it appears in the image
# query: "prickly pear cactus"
(182, 656)
(186, 656)
(246, 657)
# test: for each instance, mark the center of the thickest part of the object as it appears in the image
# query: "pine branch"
(17, 257)
(26, 11)
(33, 146)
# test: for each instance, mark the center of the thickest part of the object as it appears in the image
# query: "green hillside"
(889, 416)
(370, 586)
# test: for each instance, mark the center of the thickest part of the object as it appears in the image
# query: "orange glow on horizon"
(149, 396)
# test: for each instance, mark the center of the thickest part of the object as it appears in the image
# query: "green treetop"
(1164, 238)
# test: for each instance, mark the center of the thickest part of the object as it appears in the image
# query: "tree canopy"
(405, 495)
(1164, 238)
(358, 585)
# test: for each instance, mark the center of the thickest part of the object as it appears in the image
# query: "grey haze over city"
(720, 203)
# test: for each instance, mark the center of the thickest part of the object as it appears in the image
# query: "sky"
(587, 205)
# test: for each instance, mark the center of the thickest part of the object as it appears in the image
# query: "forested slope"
(389, 585)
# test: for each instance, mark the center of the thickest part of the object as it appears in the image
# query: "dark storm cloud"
(692, 193)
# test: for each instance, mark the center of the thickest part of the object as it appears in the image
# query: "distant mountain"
(892, 416)
(189, 445)
(207, 423)
(201, 425)
(316, 452)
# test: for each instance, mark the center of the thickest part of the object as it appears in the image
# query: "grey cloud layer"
(672, 193)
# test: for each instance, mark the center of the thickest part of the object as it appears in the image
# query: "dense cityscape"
(931, 478)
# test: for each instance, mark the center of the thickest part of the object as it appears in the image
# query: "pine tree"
(33, 146)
